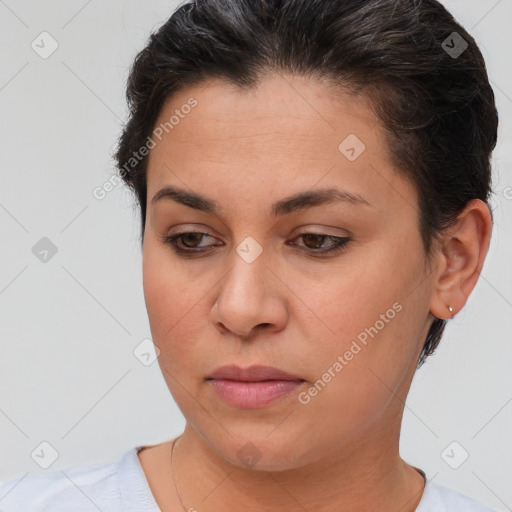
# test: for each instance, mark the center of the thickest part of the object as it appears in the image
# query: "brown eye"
(189, 243)
(191, 239)
(313, 241)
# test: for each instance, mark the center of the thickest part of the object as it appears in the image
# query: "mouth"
(255, 373)
(253, 387)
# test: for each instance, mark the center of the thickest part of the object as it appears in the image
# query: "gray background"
(70, 325)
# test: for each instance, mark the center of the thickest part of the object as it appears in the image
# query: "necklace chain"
(173, 478)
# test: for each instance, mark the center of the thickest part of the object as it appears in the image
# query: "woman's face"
(255, 287)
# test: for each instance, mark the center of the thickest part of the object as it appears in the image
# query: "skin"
(291, 309)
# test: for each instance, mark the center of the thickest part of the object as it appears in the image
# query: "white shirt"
(121, 486)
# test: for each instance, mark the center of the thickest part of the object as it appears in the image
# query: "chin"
(260, 451)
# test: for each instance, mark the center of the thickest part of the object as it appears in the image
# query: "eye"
(314, 242)
(190, 242)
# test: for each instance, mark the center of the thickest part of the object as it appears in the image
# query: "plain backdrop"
(72, 325)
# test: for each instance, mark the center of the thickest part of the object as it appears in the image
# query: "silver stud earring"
(450, 309)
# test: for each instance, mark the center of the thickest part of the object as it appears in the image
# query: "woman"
(313, 180)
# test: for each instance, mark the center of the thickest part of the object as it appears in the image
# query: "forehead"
(287, 132)
(293, 107)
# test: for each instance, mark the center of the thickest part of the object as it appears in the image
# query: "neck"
(356, 477)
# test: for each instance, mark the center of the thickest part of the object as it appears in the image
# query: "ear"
(459, 259)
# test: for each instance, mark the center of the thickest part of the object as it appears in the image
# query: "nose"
(250, 298)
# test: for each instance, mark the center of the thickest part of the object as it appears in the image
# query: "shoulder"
(80, 488)
(438, 498)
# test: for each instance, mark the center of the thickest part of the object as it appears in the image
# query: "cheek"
(169, 301)
(353, 403)
(374, 330)
(158, 292)
(351, 299)
(170, 295)
(357, 376)
(178, 310)
(171, 313)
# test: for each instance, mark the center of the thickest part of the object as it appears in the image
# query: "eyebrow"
(290, 204)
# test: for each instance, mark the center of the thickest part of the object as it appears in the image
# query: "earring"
(450, 309)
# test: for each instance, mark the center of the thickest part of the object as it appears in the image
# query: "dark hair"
(422, 72)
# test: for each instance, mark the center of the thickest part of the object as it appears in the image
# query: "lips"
(254, 387)
(255, 373)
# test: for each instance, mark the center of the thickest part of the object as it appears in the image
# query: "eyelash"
(339, 245)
